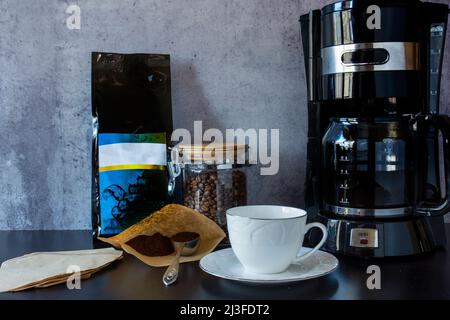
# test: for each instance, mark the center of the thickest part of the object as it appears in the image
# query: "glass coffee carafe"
(374, 166)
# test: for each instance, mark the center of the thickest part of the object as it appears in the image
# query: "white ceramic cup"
(267, 239)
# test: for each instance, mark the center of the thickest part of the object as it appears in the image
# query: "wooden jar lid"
(211, 153)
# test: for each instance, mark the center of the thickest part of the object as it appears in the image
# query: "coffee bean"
(213, 192)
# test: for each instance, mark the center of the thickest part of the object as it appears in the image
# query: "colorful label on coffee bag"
(132, 178)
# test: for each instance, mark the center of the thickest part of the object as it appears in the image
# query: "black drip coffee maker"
(378, 149)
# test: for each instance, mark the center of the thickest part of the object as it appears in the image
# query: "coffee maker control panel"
(364, 238)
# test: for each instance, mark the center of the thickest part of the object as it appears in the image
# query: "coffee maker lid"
(350, 4)
(337, 6)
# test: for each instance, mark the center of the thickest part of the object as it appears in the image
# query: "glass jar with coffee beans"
(214, 178)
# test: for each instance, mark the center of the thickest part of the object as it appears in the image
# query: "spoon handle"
(171, 274)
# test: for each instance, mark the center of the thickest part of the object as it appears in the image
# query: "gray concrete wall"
(235, 63)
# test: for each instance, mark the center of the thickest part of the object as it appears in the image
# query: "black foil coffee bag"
(132, 117)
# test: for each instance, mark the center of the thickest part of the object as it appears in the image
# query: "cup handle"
(320, 244)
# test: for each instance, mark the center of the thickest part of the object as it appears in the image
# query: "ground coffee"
(152, 246)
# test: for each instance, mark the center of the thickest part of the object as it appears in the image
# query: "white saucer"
(224, 264)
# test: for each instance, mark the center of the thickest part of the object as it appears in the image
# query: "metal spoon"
(185, 248)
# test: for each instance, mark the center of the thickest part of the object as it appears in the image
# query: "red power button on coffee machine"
(364, 241)
(364, 238)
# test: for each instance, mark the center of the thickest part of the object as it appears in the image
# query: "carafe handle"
(441, 123)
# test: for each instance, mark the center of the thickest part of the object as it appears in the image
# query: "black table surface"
(420, 277)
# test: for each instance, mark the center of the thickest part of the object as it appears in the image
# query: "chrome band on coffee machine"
(359, 57)
(377, 145)
(367, 212)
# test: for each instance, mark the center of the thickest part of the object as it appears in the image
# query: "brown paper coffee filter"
(48, 268)
(49, 284)
(58, 279)
(169, 221)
